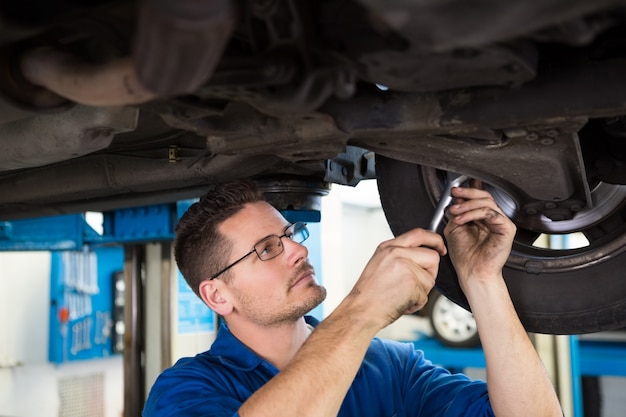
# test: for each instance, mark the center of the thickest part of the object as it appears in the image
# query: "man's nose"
(295, 251)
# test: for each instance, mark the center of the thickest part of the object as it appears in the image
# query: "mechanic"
(247, 263)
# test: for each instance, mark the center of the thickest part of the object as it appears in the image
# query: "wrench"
(445, 200)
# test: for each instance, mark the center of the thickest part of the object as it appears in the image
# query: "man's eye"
(268, 248)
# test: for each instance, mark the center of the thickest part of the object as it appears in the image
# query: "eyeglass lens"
(272, 246)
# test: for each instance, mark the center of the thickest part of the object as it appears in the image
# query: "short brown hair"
(199, 249)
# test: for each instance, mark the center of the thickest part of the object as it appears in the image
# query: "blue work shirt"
(394, 380)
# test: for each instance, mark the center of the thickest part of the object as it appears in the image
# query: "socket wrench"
(445, 200)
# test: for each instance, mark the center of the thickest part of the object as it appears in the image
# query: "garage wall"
(29, 384)
(352, 226)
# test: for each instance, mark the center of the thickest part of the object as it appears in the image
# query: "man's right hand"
(399, 276)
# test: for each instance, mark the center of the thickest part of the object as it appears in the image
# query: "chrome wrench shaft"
(445, 200)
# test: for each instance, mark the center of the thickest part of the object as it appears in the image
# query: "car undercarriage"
(109, 104)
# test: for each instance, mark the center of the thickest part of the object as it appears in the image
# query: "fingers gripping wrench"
(445, 200)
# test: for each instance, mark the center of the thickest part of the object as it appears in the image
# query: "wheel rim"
(603, 227)
(452, 322)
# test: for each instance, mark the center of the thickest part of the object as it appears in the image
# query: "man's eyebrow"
(275, 234)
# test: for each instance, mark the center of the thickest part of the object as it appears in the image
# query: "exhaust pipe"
(177, 47)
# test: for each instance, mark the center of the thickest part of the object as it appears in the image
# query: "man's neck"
(276, 345)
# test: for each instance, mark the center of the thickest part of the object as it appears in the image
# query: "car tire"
(551, 293)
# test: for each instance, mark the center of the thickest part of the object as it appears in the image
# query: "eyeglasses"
(271, 246)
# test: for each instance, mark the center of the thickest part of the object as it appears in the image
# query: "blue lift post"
(577, 389)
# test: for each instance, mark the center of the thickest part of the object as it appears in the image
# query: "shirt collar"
(232, 352)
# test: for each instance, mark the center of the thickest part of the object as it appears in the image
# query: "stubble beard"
(257, 312)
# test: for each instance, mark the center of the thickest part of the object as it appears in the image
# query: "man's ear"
(213, 293)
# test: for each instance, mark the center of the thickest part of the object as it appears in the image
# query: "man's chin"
(320, 296)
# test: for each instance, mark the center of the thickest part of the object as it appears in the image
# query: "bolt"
(546, 141)
(172, 154)
(532, 136)
(531, 211)
(550, 205)
(552, 133)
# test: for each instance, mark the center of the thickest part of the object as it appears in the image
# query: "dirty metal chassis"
(482, 133)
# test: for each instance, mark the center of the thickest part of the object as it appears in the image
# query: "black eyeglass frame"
(300, 226)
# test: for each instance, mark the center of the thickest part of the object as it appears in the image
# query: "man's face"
(272, 292)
